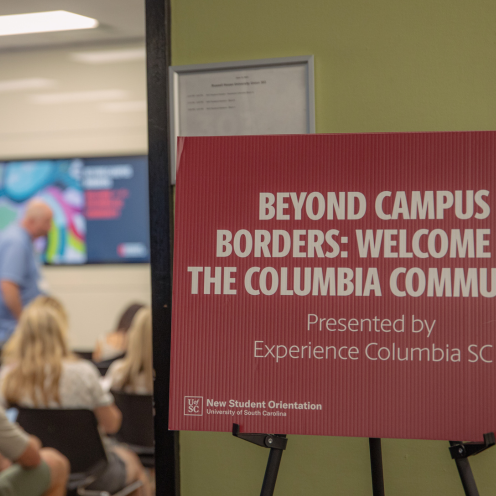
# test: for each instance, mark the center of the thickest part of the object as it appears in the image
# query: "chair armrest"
(129, 489)
(123, 492)
(82, 491)
(89, 492)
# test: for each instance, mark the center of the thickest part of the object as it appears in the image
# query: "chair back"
(84, 354)
(137, 418)
(104, 365)
(72, 432)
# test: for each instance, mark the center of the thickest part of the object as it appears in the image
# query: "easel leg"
(376, 466)
(270, 477)
(466, 475)
(277, 444)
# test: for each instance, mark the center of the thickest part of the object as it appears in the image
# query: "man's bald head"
(37, 218)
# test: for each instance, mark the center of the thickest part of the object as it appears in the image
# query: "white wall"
(94, 295)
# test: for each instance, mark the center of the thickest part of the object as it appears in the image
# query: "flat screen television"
(100, 207)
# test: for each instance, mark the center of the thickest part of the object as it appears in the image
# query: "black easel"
(460, 453)
(277, 444)
(376, 466)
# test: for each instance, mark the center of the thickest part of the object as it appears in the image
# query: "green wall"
(380, 65)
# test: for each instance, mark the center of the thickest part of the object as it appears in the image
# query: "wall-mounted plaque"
(270, 96)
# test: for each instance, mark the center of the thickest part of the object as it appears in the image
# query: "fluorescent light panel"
(110, 56)
(79, 96)
(43, 22)
(26, 84)
(127, 106)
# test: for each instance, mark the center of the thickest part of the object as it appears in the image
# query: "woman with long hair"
(114, 344)
(10, 346)
(134, 373)
(43, 373)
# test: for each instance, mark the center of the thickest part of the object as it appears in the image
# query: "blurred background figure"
(134, 373)
(114, 344)
(19, 273)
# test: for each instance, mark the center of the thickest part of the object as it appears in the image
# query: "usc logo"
(193, 406)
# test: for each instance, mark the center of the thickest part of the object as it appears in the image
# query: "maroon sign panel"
(336, 285)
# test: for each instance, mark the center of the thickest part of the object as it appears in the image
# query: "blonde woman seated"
(42, 373)
(134, 373)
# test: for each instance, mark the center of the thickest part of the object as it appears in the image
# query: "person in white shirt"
(134, 372)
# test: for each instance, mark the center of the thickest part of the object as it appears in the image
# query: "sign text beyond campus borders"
(336, 285)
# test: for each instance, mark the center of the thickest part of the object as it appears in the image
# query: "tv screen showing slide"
(100, 206)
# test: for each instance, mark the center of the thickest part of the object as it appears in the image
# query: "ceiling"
(120, 20)
(56, 100)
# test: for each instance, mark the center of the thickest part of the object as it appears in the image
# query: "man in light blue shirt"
(19, 272)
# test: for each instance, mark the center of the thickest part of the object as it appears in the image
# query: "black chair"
(104, 365)
(75, 434)
(85, 355)
(137, 425)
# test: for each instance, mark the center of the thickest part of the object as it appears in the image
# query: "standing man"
(19, 272)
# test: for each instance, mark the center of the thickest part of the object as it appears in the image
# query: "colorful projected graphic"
(58, 183)
(100, 206)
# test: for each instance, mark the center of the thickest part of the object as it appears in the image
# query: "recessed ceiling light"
(26, 84)
(79, 96)
(110, 56)
(127, 106)
(43, 22)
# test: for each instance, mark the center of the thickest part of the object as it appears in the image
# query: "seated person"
(27, 470)
(42, 373)
(10, 346)
(114, 344)
(134, 373)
